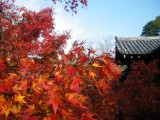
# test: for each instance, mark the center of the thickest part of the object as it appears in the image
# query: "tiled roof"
(137, 45)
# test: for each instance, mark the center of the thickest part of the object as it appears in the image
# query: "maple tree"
(39, 81)
(72, 4)
(138, 97)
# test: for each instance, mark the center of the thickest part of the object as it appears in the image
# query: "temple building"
(130, 49)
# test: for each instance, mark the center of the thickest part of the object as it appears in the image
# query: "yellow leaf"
(19, 99)
(96, 65)
(15, 109)
(5, 110)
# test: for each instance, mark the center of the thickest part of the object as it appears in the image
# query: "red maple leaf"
(2, 66)
(55, 101)
(71, 70)
(83, 58)
(75, 85)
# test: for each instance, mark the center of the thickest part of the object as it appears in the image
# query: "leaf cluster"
(138, 97)
(38, 81)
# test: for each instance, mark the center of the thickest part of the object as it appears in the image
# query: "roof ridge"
(138, 38)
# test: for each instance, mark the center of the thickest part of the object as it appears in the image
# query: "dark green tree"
(152, 28)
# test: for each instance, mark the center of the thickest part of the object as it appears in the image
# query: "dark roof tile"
(137, 45)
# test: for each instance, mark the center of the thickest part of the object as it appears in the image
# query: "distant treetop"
(152, 28)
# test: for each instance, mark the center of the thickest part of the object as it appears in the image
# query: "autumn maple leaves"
(63, 89)
(39, 81)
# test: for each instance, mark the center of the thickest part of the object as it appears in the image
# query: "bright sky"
(102, 19)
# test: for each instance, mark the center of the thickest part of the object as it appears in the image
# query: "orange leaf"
(30, 110)
(92, 74)
(102, 86)
(24, 84)
(16, 89)
(5, 110)
(27, 62)
(2, 100)
(77, 99)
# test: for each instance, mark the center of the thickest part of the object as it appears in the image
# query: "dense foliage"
(152, 28)
(38, 81)
(138, 97)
